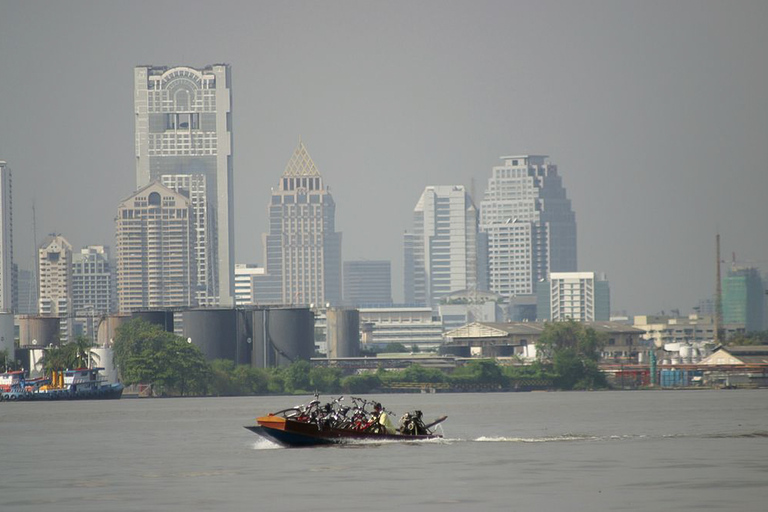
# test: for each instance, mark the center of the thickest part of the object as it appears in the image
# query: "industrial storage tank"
(104, 358)
(343, 332)
(38, 331)
(163, 318)
(282, 336)
(108, 329)
(219, 333)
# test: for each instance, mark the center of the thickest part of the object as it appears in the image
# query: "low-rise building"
(663, 330)
(406, 325)
(480, 339)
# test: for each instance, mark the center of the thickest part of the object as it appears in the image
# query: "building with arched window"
(184, 128)
(155, 258)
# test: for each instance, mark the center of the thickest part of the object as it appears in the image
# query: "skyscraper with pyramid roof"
(302, 250)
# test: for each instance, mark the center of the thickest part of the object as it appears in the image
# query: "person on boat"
(382, 418)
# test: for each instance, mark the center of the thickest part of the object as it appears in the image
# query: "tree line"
(147, 354)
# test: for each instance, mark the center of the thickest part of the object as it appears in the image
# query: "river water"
(623, 450)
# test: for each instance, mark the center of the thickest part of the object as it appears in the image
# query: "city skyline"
(654, 113)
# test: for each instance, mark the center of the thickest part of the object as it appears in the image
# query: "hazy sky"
(656, 114)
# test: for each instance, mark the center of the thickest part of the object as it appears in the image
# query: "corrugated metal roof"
(485, 329)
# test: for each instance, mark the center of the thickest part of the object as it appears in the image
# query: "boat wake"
(265, 444)
(503, 439)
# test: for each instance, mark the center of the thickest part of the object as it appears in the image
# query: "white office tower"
(581, 296)
(54, 270)
(529, 223)
(6, 240)
(441, 251)
(155, 258)
(206, 280)
(302, 249)
(93, 289)
(184, 126)
(244, 273)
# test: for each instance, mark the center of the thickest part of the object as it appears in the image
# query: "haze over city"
(655, 113)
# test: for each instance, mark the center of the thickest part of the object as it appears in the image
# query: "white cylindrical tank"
(36, 362)
(685, 353)
(105, 358)
(695, 355)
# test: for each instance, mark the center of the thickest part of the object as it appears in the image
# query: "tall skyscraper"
(27, 304)
(184, 127)
(743, 296)
(194, 187)
(581, 296)
(302, 249)
(54, 272)
(529, 223)
(367, 283)
(92, 284)
(6, 240)
(155, 258)
(441, 252)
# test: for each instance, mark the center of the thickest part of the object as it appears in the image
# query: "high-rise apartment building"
(184, 127)
(155, 258)
(6, 240)
(93, 288)
(581, 296)
(302, 249)
(367, 283)
(194, 187)
(529, 223)
(743, 296)
(441, 251)
(54, 270)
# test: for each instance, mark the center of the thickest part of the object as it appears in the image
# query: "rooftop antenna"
(718, 296)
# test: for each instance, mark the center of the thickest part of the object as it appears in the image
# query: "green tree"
(751, 338)
(396, 347)
(6, 362)
(417, 373)
(325, 380)
(222, 378)
(571, 351)
(276, 383)
(146, 353)
(182, 368)
(484, 371)
(364, 383)
(250, 380)
(297, 377)
(82, 349)
(56, 359)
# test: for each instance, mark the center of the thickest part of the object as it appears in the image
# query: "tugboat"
(312, 424)
(76, 384)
